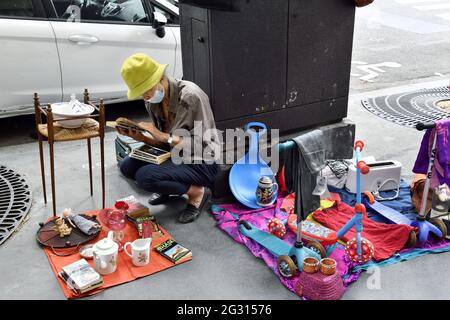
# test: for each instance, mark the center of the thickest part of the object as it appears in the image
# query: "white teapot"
(105, 255)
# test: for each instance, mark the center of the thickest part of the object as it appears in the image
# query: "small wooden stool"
(54, 132)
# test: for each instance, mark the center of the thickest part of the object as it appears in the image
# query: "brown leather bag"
(362, 3)
(417, 186)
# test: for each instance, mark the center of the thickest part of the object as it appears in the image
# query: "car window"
(174, 2)
(126, 11)
(171, 17)
(17, 8)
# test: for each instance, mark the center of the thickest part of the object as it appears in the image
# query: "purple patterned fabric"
(441, 171)
(228, 216)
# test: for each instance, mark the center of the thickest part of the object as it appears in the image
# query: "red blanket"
(125, 272)
(387, 239)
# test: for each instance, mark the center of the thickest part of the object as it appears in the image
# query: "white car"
(60, 47)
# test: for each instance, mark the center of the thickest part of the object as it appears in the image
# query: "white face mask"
(157, 97)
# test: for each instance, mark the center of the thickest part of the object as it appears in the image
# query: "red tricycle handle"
(360, 144)
(363, 167)
(360, 208)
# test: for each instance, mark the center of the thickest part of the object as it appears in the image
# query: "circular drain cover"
(408, 109)
(444, 105)
(15, 202)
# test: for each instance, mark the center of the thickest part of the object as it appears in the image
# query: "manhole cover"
(444, 105)
(15, 202)
(407, 109)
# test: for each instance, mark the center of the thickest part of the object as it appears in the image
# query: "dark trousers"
(168, 178)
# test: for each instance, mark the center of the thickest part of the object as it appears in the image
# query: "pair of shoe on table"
(190, 213)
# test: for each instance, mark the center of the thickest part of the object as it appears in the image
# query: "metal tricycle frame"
(291, 257)
(360, 210)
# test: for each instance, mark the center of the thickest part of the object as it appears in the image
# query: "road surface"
(399, 42)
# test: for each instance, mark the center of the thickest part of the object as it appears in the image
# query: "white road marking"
(439, 6)
(373, 70)
(444, 16)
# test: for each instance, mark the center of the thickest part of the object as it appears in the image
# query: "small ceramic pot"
(328, 266)
(267, 191)
(310, 265)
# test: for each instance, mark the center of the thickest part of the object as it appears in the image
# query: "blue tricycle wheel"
(286, 266)
(318, 248)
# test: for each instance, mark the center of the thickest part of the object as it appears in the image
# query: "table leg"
(102, 156)
(52, 172)
(41, 156)
(90, 166)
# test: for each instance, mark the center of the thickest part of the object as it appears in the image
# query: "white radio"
(383, 176)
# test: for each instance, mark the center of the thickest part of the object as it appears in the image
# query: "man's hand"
(136, 135)
(157, 134)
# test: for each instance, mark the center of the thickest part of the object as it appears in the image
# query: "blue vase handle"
(253, 151)
(260, 125)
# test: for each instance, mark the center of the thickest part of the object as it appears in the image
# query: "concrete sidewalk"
(221, 268)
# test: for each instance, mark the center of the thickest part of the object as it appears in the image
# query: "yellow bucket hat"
(141, 73)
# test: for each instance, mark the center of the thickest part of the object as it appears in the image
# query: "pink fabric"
(228, 216)
(228, 222)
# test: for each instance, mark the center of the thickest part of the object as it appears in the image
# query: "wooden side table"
(53, 132)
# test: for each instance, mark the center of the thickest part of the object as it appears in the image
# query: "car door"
(29, 60)
(96, 37)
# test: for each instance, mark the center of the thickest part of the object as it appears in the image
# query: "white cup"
(140, 251)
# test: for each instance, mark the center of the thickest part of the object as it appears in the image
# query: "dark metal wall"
(320, 49)
(284, 62)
